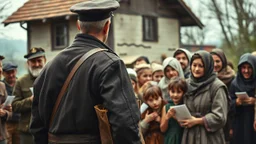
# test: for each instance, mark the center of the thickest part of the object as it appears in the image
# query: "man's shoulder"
(111, 56)
(25, 77)
(2, 85)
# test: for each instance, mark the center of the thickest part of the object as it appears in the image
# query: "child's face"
(145, 76)
(170, 72)
(176, 95)
(154, 103)
(157, 76)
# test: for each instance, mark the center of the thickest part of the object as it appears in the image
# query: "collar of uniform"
(90, 38)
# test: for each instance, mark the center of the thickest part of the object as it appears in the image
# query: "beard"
(35, 71)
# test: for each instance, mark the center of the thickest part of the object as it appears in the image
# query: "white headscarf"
(164, 82)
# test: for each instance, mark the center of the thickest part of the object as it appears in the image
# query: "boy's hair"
(151, 90)
(178, 83)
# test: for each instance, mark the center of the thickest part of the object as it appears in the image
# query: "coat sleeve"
(20, 104)
(37, 126)
(118, 97)
(4, 96)
(217, 117)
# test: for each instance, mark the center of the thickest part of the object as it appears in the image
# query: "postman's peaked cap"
(34, 53)
(95, 10)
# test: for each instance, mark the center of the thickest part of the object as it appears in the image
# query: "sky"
(12, 31)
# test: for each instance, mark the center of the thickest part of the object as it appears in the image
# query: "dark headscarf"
(240, 82)
(226, 73)
(222, 56)
(195, 84)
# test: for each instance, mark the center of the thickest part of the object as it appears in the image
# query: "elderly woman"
(243, 130)
(172, 68)
(206, 100)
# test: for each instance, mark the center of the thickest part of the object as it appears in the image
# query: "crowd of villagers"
(207, 84)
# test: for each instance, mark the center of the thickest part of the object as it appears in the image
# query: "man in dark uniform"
(22, 102)
(9, 73)
(101, 79)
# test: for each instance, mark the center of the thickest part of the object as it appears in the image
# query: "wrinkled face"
(154, 103)
(197, 68)
(246, 70)
(182, 58)
(10, 76)
(217, 63)
(157, 76)
(36, 65)
(145, 76)
(176, 95)
(170, 72)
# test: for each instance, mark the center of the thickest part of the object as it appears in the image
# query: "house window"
(60, 36)
(150, 28)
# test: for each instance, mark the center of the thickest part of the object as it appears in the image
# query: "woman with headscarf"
(243, 131)
(172, 68)
(224, 72)
(206, 100)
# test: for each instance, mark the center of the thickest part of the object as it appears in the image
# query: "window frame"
(154, 28)
(54, 37)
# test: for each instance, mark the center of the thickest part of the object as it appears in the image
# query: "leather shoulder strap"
(71, 74)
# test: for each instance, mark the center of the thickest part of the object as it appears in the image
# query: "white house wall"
(40, 34)
(128, 30)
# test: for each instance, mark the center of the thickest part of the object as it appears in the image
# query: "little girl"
(144, 74)
(151, 118)
(169, 125)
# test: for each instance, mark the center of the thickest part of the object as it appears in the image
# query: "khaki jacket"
(3, 94)
(22, 103)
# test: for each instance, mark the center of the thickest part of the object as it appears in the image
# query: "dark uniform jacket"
(102, 79)
(22, 103)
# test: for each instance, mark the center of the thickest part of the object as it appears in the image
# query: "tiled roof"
(41, 9)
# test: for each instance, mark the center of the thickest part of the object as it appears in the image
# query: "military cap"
(95, 10)
(35, 52)
(9, 66)
(1, 57)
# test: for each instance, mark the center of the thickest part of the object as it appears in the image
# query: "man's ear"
(78, 25)
(106, 27)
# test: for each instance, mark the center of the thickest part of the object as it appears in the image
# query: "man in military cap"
(24, 96)
(9, 73)
(101, 79)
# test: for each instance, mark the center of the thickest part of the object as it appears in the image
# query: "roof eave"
(197, 21)
(7, 22)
